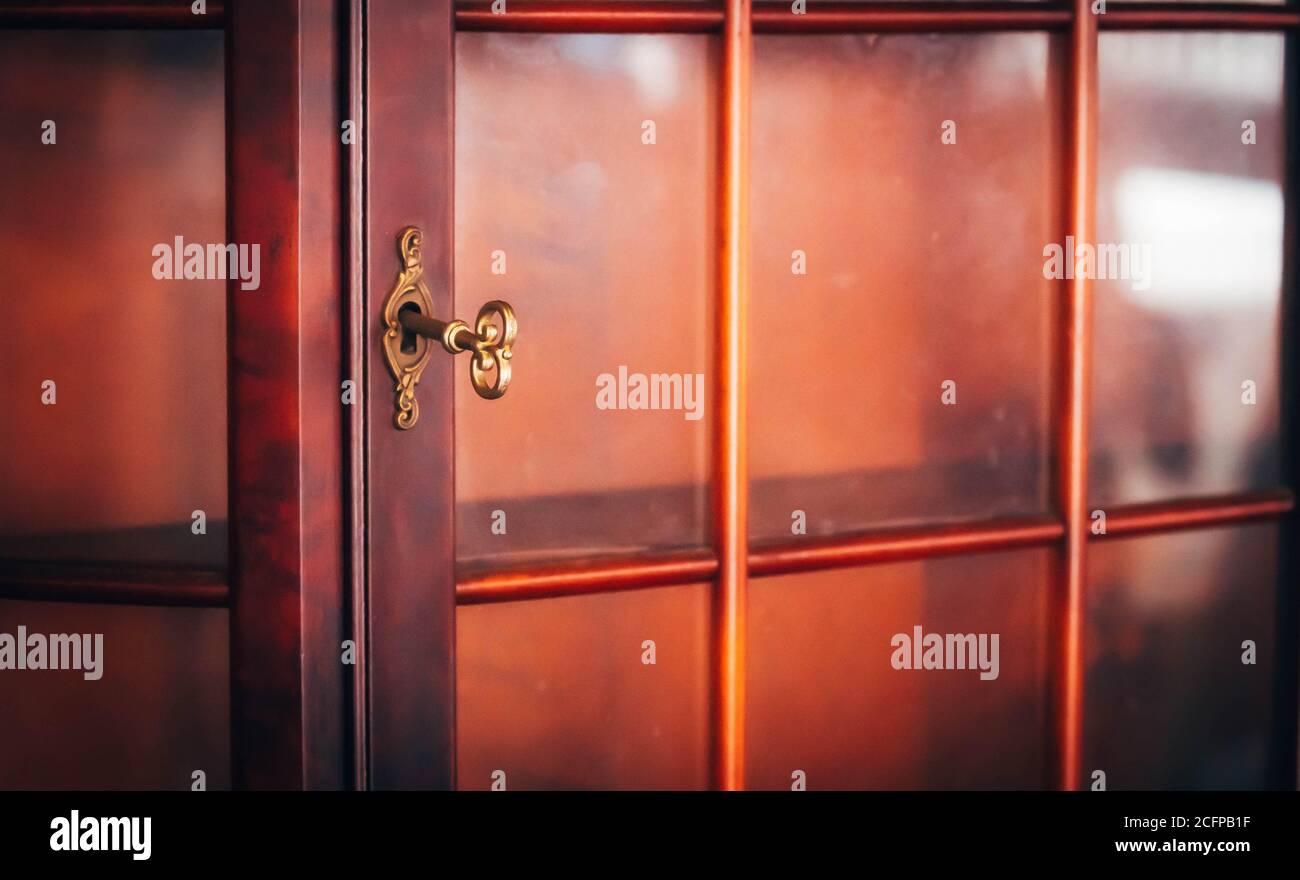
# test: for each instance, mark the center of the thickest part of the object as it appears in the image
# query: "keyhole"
(409, 336)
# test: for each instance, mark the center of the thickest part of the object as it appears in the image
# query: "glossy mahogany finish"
(892, 545)
(906, 16)
(1203, 16)
(566, 16)
(411, 559)
(265, 397)
(610, 574)
(411, 598)
(1194, 513)
(730, 425)
(1073, 403)
(326, 621)
(656, 16)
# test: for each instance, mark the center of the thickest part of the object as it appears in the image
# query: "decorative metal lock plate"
(410, 331)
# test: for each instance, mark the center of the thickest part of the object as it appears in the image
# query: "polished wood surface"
(891, 545)
(1073, 407)
(656, 16)
(1192, 513)
(730, 459)
(324, 598)
(287, 494)
(1207, 16)
(567, 16)
(889, 17)
(610, 574)
(263, 143)
(408, 137)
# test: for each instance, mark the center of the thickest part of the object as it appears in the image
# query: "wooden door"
(836, 217)
(174, 476)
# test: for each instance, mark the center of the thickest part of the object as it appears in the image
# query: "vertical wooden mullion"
(1072, 425)
(409, 486)
(262, 99)
(288, 700)
(730, 460)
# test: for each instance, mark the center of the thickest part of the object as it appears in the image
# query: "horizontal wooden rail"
(1198, 16)
(689, 16)
(119, 585)
(829, 18)
(620, 573)
(601, 575)
(1192, 513)
(895, 545)
(112, 585)
(576, 16)
(703, 16)
(162, 14)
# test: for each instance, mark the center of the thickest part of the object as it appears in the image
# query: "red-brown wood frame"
(407, 133)
(286, 418)
(262, 156)
(287, 510)
(284, 582)
(775, 16)
(730, 455)
(1073, 400)
(1071, 532)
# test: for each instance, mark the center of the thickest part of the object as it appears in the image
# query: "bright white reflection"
(1216, 239)
(650, 61)
(653, 64)
(1199, 63)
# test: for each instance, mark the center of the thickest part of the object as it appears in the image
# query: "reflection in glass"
(558, 693)
(887, 263)
(159, 711)
(584, 197)
(1170, 704)
(824, 697)
(135, 439)
(1185, 393)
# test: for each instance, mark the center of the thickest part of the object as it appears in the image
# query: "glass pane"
(1177, 343)
(110, 461)
(159, 711)
(826, 698)
(915, 253)
(603, 241)
(1170, 702)
(557, 693)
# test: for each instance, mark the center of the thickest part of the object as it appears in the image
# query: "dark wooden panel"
(408, 157)
(325, 685)
(266, 505)
(290, 708)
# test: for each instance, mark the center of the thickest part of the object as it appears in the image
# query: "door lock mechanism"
(410, 332)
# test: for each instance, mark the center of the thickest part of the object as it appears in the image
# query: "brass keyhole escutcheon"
(410, 331)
